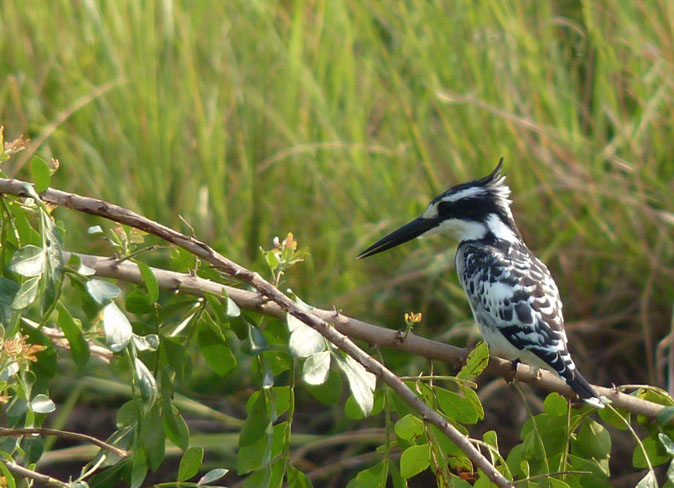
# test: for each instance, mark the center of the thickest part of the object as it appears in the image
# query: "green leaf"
(173, 354)
(152, 435)
(329, 392)
(482, 482)
(465, 409)
(352, 410)
(138, 468)
(128, 413)
(233, 309)
(409, 427)
(42, 404)
(27, 293)
(281, 399)
(138, 302)
(28, 261)
(255, 456)
(150, 281)
(445, 443)
(304, 340)
(217, 307)
(190, 463)
(9, 478)
(182, 260)
(8, 290)
(256, 341)
(112, 476)
(175, 426)
(414, 460)
(146, 382)
(258, 421)
(102, 291)
(39, 170)
(213, 475)
(33, 447)
(117, 327)
(79, 347)
(654, 450)
(361, 382)
(372, 477)
(666, 442)
(593, 440)
(46, 365)
(557, 483)
(612, 418)
(476, 362)
(648, 481)
(316, 368)
(216, 352)
(491, 439)
(297, 479)
(556, 405)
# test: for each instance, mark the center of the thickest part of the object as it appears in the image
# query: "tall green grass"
(340, 120)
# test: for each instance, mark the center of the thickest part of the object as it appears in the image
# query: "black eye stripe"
(468, 209)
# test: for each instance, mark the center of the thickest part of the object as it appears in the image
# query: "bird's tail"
(584, 390)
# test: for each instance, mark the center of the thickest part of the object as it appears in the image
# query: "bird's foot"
(514, 363)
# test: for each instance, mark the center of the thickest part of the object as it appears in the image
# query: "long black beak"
(406, 233)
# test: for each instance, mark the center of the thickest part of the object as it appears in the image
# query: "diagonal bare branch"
(122, 215)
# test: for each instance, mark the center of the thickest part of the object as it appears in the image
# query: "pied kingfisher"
(511, 293)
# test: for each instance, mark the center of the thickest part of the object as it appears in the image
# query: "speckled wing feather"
(517, 306)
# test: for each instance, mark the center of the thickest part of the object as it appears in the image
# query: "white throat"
(500, 229)
(469, 230)
(462, 230)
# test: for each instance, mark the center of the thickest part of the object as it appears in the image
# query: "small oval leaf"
(117, 327)
(361, 382)
(28, 261)
(212, 475)
(39, 170)
(102, 291)
(316, 368)
(304, 340)
(190, 463)
(414, 460)
(27, 293)
(409, 427)
(42, 404)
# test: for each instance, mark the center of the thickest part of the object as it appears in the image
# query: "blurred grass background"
(338, 121)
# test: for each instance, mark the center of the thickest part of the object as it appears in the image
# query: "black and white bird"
(514, 299)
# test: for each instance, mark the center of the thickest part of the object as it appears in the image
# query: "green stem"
(636, 437)
(291, 413)
(535, 427)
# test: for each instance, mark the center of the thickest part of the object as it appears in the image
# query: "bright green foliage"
(157, 340)
(335, 119)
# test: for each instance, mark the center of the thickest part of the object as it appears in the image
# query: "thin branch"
(43, 479)
(58, 338)
(66, 435)
(119, 214)
(358, 329)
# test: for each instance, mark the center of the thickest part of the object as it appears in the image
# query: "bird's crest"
(496, 185)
